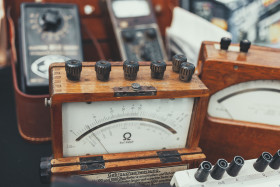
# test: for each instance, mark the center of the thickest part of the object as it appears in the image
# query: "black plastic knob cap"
(151, 33)
(103, 69)
(224, 43)
(235, 166)
(275, 163)
(50, 20)
(219, 169)
(128, 35)
(158, 68)
(130, 69)
(263, 161)
(177, 60)
(245, 46)
(186, 71)
(203, 171)
(73, 69)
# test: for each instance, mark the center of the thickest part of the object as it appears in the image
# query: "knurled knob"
(245, 46)
(224, 43)
(130, 69)
(158, 68)
(186, 71)
(73, 69)
(103, 69)
(177, 60)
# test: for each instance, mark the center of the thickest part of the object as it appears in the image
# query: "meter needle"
(100, 143)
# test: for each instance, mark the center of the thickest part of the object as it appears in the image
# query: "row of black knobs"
(244, 44)
(235, 166)
(180, 65)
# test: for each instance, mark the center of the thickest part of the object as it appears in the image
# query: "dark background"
(20, 160)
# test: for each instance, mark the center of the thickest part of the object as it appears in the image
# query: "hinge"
(92, 163)
(134, 90)
(169, 156)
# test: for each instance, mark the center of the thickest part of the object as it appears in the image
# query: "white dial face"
(254, 101)
(130, 8)
(125, 126)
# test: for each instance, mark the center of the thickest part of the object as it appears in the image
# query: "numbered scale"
(129, 124)
(244, 107)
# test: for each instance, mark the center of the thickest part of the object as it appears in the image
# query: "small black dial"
(103, 69)
(225, 42)
(128, 35)
(186, 71)
(158, 68)
(245, 46)
(130, 69)
(177, 60)
(73, 69)
(50, 21)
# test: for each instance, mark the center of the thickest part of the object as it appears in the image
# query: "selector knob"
(158, 68)
(263, 161)
(103, 69)
(73, 69)
(151, 33)
(50, 20)
(203, 171)
(177, 60)
(128, 35)
(235, 166)
(130, 69)
(186, 71)
(224, 43)
(245, 46)
(275, 163)
(219, 169)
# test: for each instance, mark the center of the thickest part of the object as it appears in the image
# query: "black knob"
(151, 33)
(158, 68)
(203, 171)
(186, 71)
(177, 60)
(130, 69)
(224, 43)
(146, 53)
(128, 35)
(219, 169)
(245, 46)
(50, 20)
(262, 162)
(235, 166)
(45, 170)
(103, 69)
(73, 69)
(275, 163)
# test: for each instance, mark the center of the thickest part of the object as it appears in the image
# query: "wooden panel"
(170, 86)
(222, 138)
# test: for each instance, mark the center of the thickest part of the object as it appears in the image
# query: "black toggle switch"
(263, 161)
(130, 69)
(203, 171)
(103, 69)
(186, 71)
(158, 68)
(275, 163)
(224, 43)
(177, 60)
(245, 46)
(219, 169)
(73, 69)
(235, 166)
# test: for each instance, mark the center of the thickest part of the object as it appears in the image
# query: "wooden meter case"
(118, 124)
(243, 115)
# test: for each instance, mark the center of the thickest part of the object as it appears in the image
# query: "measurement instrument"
(126, 116)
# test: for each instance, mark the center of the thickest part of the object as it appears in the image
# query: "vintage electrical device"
(132, 122)
(136, 30)
(46, 29)
(244, 106)
(264, 171)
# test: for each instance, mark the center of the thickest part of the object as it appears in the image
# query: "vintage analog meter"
(115, 119)
(243, 114)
